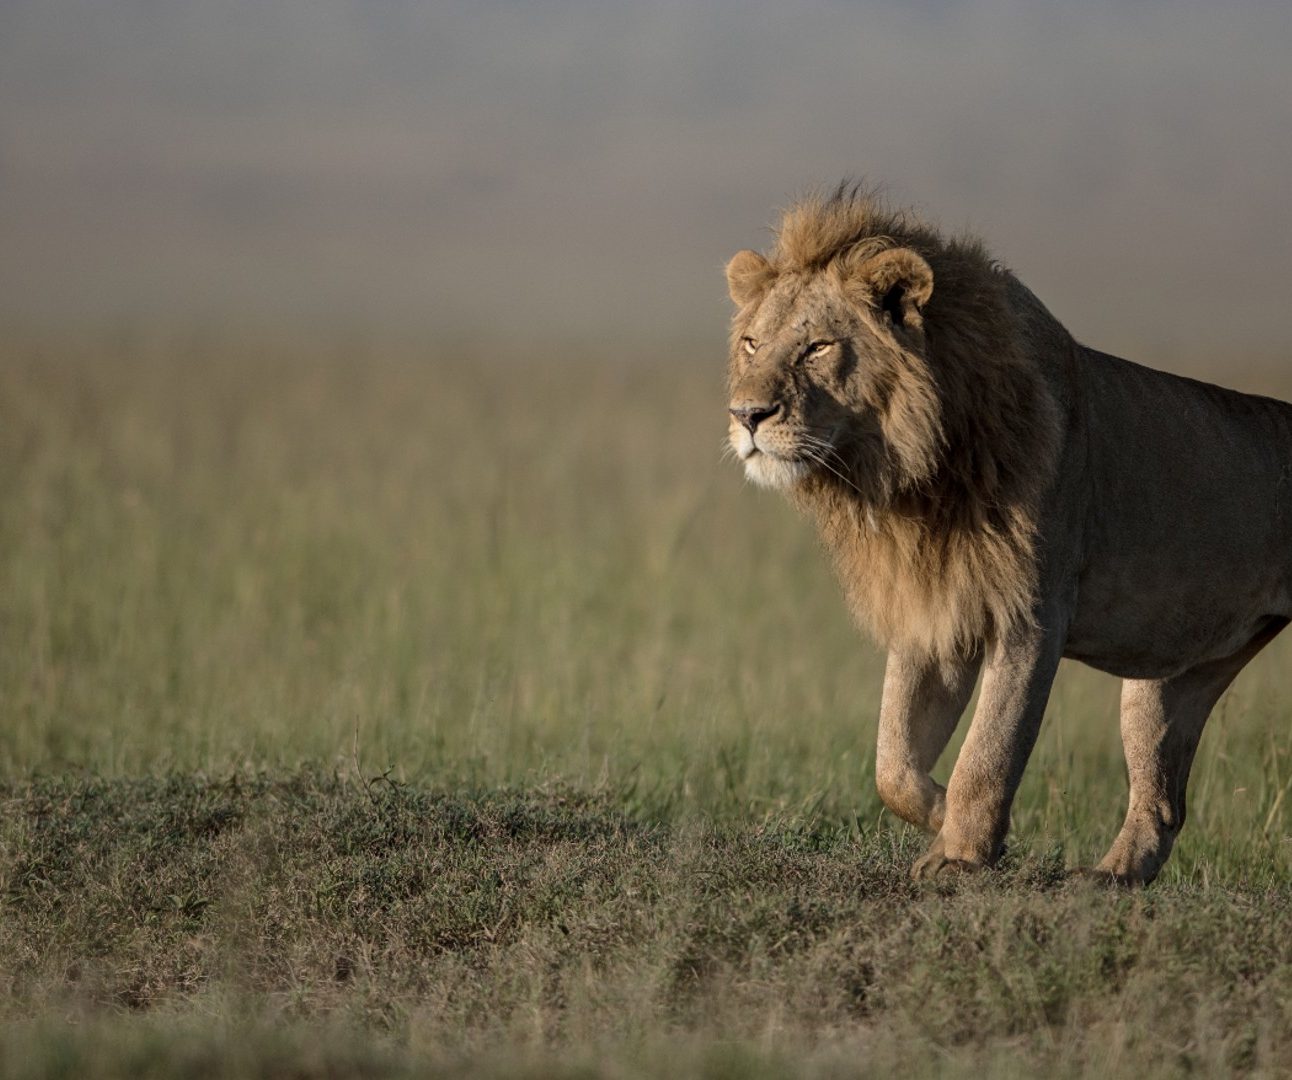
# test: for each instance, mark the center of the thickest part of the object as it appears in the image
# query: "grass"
(624, 822)
(227, 927)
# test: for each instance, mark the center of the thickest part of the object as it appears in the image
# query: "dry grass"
(483, 580)
(234, 927)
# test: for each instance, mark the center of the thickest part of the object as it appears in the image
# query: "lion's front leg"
(1016, 685)
(922, 703)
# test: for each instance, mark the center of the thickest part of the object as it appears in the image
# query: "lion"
(996, 496)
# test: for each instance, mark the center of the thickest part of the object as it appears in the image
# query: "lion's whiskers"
(820, 451)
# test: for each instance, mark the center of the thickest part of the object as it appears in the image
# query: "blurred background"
(317, 435)
(513, 174)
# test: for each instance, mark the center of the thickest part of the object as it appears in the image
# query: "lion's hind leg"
(1161, 724)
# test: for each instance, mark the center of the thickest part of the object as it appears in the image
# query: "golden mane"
(945, 561)
(819, 229)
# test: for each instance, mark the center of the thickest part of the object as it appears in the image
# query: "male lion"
(996, 495)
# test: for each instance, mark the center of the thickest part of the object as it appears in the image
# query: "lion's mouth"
(748, 446)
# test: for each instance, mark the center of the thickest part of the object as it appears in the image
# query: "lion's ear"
(748, 276)
(900, 283)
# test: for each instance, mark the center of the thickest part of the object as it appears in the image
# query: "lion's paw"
(934, 863)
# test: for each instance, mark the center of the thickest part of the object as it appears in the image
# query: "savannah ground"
(370, 711)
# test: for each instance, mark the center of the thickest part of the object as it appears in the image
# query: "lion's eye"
(818, 347)
(749, 345)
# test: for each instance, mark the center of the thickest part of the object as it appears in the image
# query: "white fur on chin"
(772, 472)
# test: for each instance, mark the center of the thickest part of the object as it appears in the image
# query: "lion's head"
(828, 371)
(885, 377)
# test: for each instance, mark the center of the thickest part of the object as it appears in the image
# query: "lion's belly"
(1152, 627)
(1161, 656)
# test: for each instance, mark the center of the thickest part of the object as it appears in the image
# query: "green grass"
(239, 581)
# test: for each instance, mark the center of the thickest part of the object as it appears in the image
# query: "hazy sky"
(537, 171)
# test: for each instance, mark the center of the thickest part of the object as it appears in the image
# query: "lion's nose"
(753, 415)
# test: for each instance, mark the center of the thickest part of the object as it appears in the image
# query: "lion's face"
(814, 360)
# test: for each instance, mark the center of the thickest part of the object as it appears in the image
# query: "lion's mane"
(941, 559)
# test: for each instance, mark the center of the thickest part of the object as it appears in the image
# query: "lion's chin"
(773, 472)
